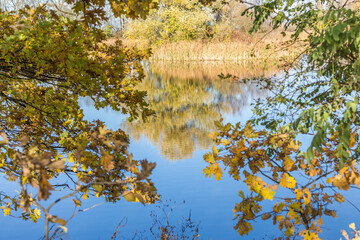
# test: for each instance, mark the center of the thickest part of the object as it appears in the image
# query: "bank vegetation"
(187, 31)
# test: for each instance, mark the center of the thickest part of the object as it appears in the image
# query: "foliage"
(47, 63)
(175, 20)
(228, 21)
(300, 150)
(108, 30)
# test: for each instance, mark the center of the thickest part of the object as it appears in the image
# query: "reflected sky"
(187, 99)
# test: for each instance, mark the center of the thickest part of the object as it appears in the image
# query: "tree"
(304, 138)
(170, 22)
(47, 63)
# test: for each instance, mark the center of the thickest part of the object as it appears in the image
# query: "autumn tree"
(47, 63)
(301, 148)
(174, 20)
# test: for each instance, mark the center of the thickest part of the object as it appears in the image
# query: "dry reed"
(262, 48)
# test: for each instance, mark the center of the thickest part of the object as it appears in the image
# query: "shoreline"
(274, 49)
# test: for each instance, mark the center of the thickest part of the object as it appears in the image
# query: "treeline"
(187, 30)
(178, 20)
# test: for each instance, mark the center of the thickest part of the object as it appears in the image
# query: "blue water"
(178, 175)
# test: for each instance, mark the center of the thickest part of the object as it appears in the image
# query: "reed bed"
(227, 51)
(269, 48)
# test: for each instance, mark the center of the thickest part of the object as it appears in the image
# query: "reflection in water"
(187, 100)
(211, 70)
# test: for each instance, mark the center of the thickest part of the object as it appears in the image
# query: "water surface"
(187, 99)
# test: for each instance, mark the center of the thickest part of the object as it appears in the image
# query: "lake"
(187, 99)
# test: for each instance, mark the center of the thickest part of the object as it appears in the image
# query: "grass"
(263, 48)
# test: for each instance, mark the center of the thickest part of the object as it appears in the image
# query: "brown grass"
(243, 49)
(263, 48)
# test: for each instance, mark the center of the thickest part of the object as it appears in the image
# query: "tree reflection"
(187, 100)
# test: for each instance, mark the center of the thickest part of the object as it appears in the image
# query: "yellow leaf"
(215, 150)
(243, 227)
(278, 207)
(209, 157)
(340, 182)
(267, 194)
(292, 214)
(289, 231)
(288, 163)
(213, 135)
(279, 218)
(37, 212)
(320, 221)
(293, 145)
(85, 196)
(298, 193)
(217, 172)
(225, 142)
(287, 181)
(311, 236)
(284, 135)
(306, 196)
(7, 211)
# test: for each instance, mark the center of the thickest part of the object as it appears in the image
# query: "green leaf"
(309, 155)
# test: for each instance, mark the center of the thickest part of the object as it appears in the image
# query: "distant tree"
(174, 20)
(228, 20)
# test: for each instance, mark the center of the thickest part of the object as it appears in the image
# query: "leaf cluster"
(47, 64)
(315, 102)
(273, 168)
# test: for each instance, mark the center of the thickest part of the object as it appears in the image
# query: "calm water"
(187, 99)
